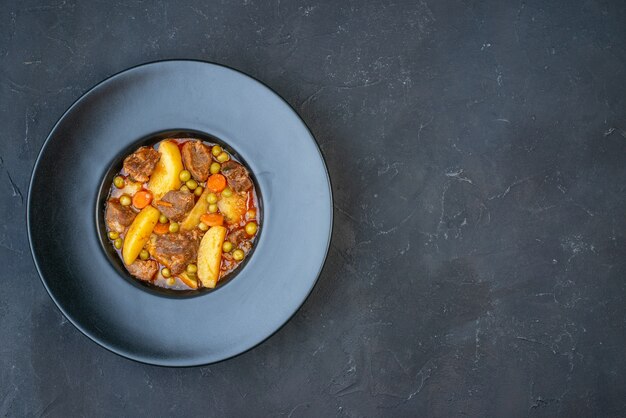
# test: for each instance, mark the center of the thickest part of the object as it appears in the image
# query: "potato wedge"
(139, 233)
(210, 256)
(233, 207)
(165, 175)
(188, 280)
(193, 218)
(130, 188)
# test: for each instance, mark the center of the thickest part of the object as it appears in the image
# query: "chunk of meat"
(118, 217)
(240, 239)
(140, 164)
(175, 204)
(237, 176)
(237, 236)
(143, 270)
(177, 250)
(197, 159)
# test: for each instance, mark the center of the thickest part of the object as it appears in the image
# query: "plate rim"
(153, 361)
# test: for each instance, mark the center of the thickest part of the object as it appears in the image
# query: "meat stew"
(182, 214)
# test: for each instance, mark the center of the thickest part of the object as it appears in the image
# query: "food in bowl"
(182, 214)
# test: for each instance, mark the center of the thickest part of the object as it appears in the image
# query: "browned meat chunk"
(143, 270)
(118, 217)
(175, 204)
(237, 176)
(140, 164)
(197, 159)
(177, 250)
(237, 236)
(240, 239)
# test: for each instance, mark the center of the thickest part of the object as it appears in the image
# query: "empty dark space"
(477, 154)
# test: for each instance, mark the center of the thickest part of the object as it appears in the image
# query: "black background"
(476, 150)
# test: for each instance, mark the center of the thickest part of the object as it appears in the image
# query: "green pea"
(192, 268)
(174, 227)
(144, 255)
(114, 235)
(119, 182)
(125, 200)
(184, 188)
(166, 272)
(216, 150)
(215, 168)
(211, 198)
(227, 192)
(192, 184)
(238, 255)
(212, 208)
(251, 228)
(198, 191)
(184, 175)
(171, 281)
(203, 227)
(227, 246)
(118, 243)
(163, 219)
(223, 157)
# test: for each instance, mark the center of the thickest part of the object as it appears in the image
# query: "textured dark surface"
(477, 155)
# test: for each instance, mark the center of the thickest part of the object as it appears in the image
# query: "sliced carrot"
(164, 203)
(142, 199)
(161, 228)
(216, 183)
(212, 219)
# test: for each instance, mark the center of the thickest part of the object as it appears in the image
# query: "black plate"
(118, 115)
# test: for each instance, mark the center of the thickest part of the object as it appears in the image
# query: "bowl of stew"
(179, 213)
(182, 214)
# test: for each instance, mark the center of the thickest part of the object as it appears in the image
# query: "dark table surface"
(477, 152)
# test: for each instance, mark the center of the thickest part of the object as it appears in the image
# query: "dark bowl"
(103, 195)
(83, 275)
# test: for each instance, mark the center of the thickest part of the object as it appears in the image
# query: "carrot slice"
(216, 183)
(164, 203)
(212, 219)
(161, 228)
(142, 199)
